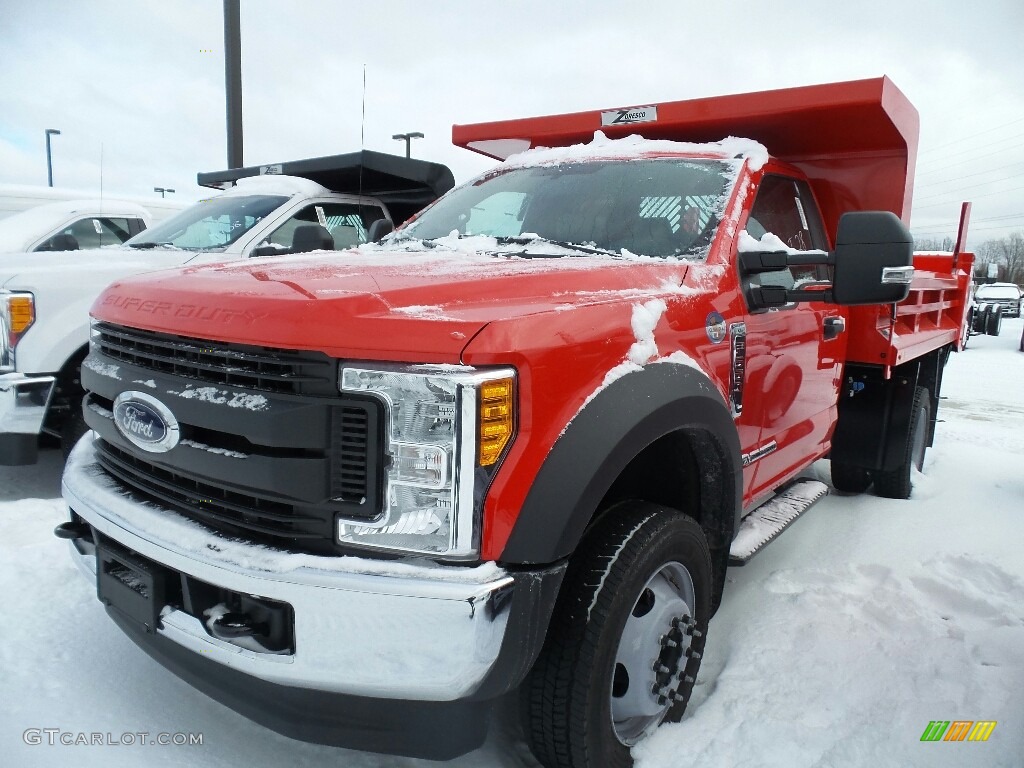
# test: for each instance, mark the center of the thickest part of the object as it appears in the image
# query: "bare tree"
(1008, 253)
(933, 244)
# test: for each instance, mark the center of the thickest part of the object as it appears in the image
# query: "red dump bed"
(933, 314)
(856, 141)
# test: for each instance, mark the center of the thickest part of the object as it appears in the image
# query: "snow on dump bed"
(637, 146)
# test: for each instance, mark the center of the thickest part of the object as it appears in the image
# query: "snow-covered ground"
(834, 647)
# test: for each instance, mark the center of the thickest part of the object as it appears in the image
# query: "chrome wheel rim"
(653, 650)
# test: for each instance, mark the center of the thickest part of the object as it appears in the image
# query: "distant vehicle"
(326, 203)
(15, 198)
(72, 225)
(1005, 295)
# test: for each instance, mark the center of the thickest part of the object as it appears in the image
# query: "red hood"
(371, 304)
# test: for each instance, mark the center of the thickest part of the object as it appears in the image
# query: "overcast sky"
(136, 87)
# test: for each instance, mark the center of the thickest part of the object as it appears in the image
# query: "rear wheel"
(994, 321)
(980, 318)
(850, 479)
(897, 484)
(625, 639)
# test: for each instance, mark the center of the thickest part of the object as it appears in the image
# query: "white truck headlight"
(447, 428)
(17, 313)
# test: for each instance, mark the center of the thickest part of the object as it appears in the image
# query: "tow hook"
(73, 530)
(232, 626)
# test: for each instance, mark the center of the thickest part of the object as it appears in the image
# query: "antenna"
(362, 145)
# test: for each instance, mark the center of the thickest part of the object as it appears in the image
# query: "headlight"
(447, 430)
(17, 313)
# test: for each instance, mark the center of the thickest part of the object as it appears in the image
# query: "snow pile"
(637, 147)
(645, 318)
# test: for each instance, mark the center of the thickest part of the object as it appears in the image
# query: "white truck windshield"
(211, 224)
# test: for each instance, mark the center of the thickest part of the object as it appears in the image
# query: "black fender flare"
(622, 420)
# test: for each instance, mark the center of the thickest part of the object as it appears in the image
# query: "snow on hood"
(637, 146)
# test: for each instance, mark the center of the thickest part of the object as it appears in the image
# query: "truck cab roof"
(403, 184)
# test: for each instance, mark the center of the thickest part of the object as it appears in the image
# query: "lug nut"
(692, 654)
(668, 642)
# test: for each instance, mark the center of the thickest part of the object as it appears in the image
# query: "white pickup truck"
(327, 203)
(71, 225)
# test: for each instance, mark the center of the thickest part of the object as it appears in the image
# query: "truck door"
(793, 352)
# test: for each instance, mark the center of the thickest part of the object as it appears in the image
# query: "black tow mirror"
(872, 264)
(874, 259)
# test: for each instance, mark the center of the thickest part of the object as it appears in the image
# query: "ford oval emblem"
(146, 422)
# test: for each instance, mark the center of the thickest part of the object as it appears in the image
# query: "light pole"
(49, 161)
(407, 137)
(161, 190)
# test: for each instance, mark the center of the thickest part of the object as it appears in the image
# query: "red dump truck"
(512, 449)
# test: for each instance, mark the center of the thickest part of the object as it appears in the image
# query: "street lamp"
(49, 161)
(407, 137)
(161, 190)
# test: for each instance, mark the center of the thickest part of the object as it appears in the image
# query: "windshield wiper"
(529, 239)
(148, 245)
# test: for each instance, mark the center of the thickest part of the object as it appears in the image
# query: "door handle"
(833, 326)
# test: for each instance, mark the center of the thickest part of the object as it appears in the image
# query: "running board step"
(770, 519)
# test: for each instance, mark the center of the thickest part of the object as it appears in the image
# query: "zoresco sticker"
(715, 327)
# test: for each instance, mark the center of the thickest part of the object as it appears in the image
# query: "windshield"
(653, 207)
(997, 292)
(211, 224)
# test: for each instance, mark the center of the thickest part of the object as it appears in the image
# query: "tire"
(71, 431)
(980, 319)
(897, 483)
(849, 478)
(994, 321)
(637, 591)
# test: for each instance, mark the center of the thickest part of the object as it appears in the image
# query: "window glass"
(211, 224)
(499, 215)
(653, 207)
(347, 223)
(785, 208)
(89, 233)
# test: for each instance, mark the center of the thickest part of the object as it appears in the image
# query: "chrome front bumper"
(23, 402)
(383, 629)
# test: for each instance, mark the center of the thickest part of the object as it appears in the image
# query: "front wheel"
(625, 640)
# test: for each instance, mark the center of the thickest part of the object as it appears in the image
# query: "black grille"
(231, 512)
(350, 470)
(236, 365)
